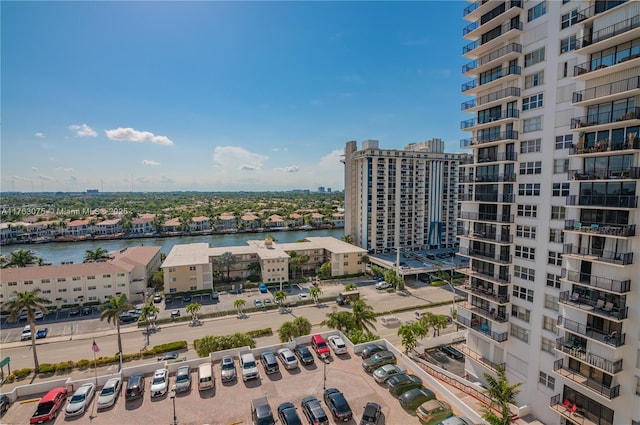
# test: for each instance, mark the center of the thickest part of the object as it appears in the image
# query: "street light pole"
(324, 374)
(173, 398)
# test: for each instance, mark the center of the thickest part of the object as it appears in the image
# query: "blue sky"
(220, 96)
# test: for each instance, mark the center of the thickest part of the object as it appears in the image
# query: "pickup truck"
(261, 412)
(49, 405)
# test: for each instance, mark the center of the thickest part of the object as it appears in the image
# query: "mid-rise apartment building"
(127, 271)
(401, 198)
(550, 204)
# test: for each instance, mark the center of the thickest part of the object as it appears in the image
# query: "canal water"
(58, 252)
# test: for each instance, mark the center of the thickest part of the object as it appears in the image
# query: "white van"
(248, 366)
(205, 377)
(390, 320)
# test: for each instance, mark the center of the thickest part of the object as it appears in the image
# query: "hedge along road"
(59, 349)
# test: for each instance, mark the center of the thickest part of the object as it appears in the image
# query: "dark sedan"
(401, 383)
(371, 414)
(411, 399)
(337, 404)
(288, 414)
(371, 349)
(304, 354)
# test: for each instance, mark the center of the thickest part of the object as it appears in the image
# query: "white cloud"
(44, 178)
(228, 156)
(130, 135)
(68, 170)
(39, 134)
(289, 169)
(34, 168)
(83, 130)
(150, 162)
(332, 160)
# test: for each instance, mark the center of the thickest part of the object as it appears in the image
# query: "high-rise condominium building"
(401, 198)
(550, 204)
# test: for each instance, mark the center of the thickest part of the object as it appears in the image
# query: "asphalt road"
(62, 346)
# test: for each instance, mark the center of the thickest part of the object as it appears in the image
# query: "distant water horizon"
(59, 252)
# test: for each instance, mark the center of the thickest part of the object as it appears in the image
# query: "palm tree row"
(20, 258)
(411, 333)
(355, 324)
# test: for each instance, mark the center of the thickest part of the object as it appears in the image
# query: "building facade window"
(519, 333)
(547, 380)
(528, 211)
(564, 141)
(523, 293)
(568, 44)
(525, 252)
(529, 189)
(521, 313)
(533, 80)
(555, 258)
(547, 345)
(532, 102)
(560, 189)
(556, 235)
(524, 273)
(537, 11)
(569, 19)
(530, 146)
(553, 280)
(532, 167)
(528, 232)
(549, 324)
(534, 57)
(532, 124)
(551, 302)
(560, 166)
(558, 213)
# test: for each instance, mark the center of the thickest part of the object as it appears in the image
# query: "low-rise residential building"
(337, 219)
(172, 225)
(250, 221)
(317, 219)
(226, 222)
(199, 224)
(296, 220)
(191, 267)
(108, 227)
(275, 221)
(143, 224)
(126, 272)
(77, 228)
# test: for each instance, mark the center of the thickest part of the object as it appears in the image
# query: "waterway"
(58, 252)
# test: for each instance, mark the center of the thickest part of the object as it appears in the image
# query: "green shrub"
(171, 346)
(22, 373)
(260, 332)
(81, 364)
(65, 366)
(47, 368)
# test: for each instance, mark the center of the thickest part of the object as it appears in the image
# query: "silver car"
(159, 383)
(387, 371)
(183, 379)
(228, 369)
(287, 358)
(80, 400)
(109, 393)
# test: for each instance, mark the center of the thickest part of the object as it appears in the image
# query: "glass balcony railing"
(606, 61)
(480, 358)
(494, 137)
(574, 375)
(606, 33)
(568, 346)
(493, 217)
(619, 286)
(498, 278)
(613, 201)
(611, 309)
(613, 257)
(480, 291)
(482, 327)
(486, 255)
(614, 338)
(605, 173)
(603, 90)
(607, 229)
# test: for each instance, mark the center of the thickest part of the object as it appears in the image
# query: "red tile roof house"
(250, 221)
(317, 219)
(274, 221)
(337, 219)
(78, 228)
(226, 222)
(296, 220)
(172, 225)
(108, 227)
(143, 224)
(199, 224)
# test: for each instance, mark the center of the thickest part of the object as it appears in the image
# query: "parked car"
(49, 405)
(269, 362)
(303, 354)
(337, 344)
(26, 333)
(159, 383)
(288, 414)
(337, 404)
(183, 379)
(380, 358)
(5, 403)
(135, 387)
(257, 302)
(340, 300)
(370, 349)
(168, 299)
(320, 346)
(167, 357)
(383, 373)
(402, 382)
(263, 288)
(455, 420)
(287, 358)
(371, 414)
(433, 411)
(452, 352)
(36, 315)
(261, 412)
(228, 369)
(109, 393)
(313, 411)
(80, 400)
(383, 285)
(215, 296)
(157, 298)
(175, 313)
(74, 311)
(248, 366)
(87, 311)
(411, 399)
(127, 318)
(186, 298)
(42, 333)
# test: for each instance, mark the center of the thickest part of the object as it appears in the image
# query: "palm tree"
(408, 335)
(287, 331)
(347, 238)
(3, 261)
(363, 315)
(340, 320)
(350, 287)
(97, 255)
(239, 304)
(111, 311)
(193, 310)
(302, 326)
(22, 258)
(440, 321)
(502, 395)
(149, 314)
(279, 297)
(315, 293)
(28, 302)
(226, 260)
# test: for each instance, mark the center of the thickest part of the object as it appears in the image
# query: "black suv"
(401, 383)
(314, 411)
(269, 362)
(135, 387)
(337, 404)
(304, 354)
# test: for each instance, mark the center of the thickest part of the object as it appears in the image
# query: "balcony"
(607, 33)
(485, 255)
(597, 305)
(490, 217)
(577, 351)
(488, 236)
(487, 10)
(606, 92)
(489, 314)
(631, 143)
(480, 291)
(502, 136)
(613, 338)
(482, 328)
(480, 358)
(612, 201)
(484, 63)
(492, 119)
(605, 229)
(573, 414)
(603, 283)
(513, 70)
(497, 157)
(488, 178)
(497, 278)
(591, 384)
(605, 118)
(597, 8)
(622, 61)
(608, 173)
(594, 254)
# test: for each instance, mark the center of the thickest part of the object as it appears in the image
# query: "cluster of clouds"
(120, 134)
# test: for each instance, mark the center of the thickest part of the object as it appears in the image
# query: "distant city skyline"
(219, 96)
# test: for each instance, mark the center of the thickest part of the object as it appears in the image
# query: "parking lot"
(229, 403)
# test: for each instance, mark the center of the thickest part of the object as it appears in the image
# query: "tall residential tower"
(550, 204)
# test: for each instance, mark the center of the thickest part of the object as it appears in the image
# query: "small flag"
(94, 347)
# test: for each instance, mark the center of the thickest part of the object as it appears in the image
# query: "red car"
(320, 346)
(49, 405)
